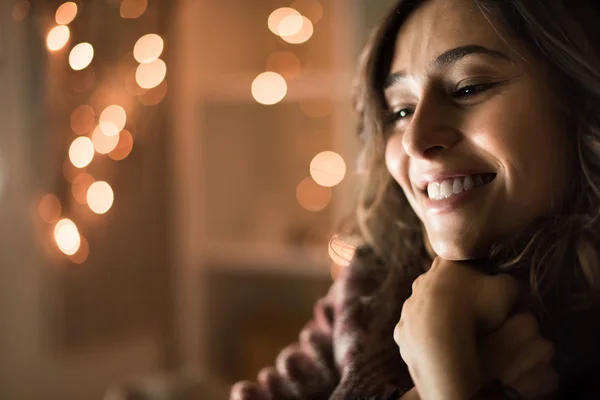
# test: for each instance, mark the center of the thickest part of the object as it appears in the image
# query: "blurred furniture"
(183, 385)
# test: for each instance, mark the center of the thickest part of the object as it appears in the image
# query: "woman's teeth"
(452, 186)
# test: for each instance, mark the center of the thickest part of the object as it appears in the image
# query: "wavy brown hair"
(559, 253)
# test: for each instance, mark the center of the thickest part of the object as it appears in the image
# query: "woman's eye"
(397, 114)
(472, 90)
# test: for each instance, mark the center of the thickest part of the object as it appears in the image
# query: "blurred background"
(171, 173)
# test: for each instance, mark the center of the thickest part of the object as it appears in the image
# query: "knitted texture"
(347, 351)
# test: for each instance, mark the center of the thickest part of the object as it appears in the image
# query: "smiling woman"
(477, 211)
(478, 108)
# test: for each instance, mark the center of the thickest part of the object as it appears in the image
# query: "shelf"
(267, 258)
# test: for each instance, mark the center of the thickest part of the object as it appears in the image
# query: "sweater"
(347, 351)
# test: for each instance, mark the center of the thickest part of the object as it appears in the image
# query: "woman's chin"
(459, 250)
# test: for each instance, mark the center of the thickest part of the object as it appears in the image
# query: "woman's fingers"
(495, 297)
(516, 330)
(517, 355)
(539, 382)
(534, 353)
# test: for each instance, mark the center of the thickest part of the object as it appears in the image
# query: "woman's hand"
(438, 327)
(520, 358)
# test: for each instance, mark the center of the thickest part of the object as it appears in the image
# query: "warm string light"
(66, 13)
(302, 35)
(132, 9)
(58, 37)
(50, 208)
(83, 119)
(328, 168)
(67, 236)
(155, 95)
(278, 16)
(100, 129)
(312, 196)
(82, 253)
(148, 48)
(80, 186)
(81, 152)
(294, 25)
(103, 143)
(81, 56)
(100, 197)
(150, 75)
(269, 88)
(124, 147)
(113, 120)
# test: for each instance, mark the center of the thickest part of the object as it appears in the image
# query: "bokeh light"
(316, 108)
(124, 147)
(20, 10)
(81, 56)
(81, 152)
(82, 253)
(58, 37)
(67, 236)
(49, 208)
(277, 16)
(83, 119)
(311, 9)
(113, 120)
(269, 88)
(66, 13)
(150, 75)
(305, 33)
(328, 168)
(148, 48)
(312, 196)
(100, 197)
(290, 25)
(132, 86)
(155, 95)
(132, 9)
(80, 186)
(285, 63)
(102, 143)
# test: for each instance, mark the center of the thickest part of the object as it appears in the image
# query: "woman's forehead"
(440, 25)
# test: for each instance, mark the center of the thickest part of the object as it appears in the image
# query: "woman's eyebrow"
(447, 58)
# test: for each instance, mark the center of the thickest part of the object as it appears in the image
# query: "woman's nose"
(431, 129)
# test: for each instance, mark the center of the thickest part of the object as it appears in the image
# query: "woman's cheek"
(396, 161)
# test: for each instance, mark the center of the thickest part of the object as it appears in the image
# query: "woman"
(478, 205)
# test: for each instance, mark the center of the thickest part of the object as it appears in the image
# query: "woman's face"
(466, 108)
